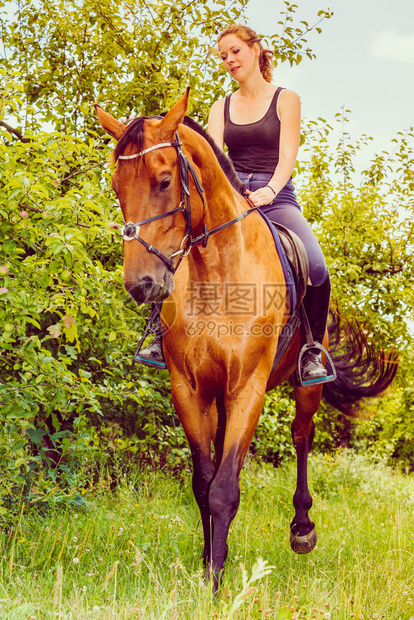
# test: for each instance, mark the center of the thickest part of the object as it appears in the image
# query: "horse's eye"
(165, 184)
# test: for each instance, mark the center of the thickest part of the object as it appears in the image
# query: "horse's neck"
(233, 253)
(227, 251)
(222, 202)
(225, 247)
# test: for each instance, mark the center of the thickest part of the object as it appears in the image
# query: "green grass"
(136, 553)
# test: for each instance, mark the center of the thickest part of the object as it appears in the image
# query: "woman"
(260, 124)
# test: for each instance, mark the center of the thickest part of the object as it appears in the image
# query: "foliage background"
(69, 393)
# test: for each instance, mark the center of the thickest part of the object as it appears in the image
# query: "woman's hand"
(262, 196)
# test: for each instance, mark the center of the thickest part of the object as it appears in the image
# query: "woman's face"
(238, 58)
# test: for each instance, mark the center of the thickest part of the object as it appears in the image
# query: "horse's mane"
(222, 158)
(134, 134)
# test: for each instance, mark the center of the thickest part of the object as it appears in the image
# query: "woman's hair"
(249, 36)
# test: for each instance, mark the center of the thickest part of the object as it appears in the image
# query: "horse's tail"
(363, 371)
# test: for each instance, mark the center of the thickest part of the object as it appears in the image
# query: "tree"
(67, 381)
(134, 56)
(365, 226)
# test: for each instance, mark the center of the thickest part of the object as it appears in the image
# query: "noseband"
(130, 230)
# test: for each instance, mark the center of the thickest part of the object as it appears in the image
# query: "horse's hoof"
(216, 580)
(303, 544)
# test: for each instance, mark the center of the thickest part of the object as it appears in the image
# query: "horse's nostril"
(141, 294)
(147, 284)
(146, 290)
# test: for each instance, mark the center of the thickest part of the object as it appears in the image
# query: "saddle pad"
(287, 269)
(297, 257)
(294, 321)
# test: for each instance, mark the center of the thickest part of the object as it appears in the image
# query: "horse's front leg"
(243, 409)
(203, 474)
(198, 419)
(302, 530)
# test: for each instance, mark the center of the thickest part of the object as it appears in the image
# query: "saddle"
(298, 260)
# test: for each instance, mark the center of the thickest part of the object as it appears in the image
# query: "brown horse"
(226, 304)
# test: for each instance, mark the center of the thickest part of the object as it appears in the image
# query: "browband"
(151, 148)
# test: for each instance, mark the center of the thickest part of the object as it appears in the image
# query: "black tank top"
(254, 147)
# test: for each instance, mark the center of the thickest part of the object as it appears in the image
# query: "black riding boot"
(316, 304)
(152, 355)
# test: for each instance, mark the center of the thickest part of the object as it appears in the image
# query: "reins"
(130, 230)
(207, 233)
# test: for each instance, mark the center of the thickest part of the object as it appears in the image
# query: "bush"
(272, 442)
(68, 328)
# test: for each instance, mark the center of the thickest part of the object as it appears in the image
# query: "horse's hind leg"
(302, 529)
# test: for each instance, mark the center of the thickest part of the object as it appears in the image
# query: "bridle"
(130, 230)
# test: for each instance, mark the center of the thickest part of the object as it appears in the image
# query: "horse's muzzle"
(148, 290)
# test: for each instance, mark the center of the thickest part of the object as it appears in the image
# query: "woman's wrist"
(270, 187)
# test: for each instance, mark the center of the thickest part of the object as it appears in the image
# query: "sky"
(364, 61)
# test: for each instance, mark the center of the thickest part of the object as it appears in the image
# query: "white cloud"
(389, 45)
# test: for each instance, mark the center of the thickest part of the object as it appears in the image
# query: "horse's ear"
(174, 117)
(109, 123)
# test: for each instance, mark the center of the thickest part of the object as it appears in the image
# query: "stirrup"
(142, 359)
(149, 330)
(150, 363)
(330, 368)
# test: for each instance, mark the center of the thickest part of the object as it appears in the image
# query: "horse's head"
(150, 191)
